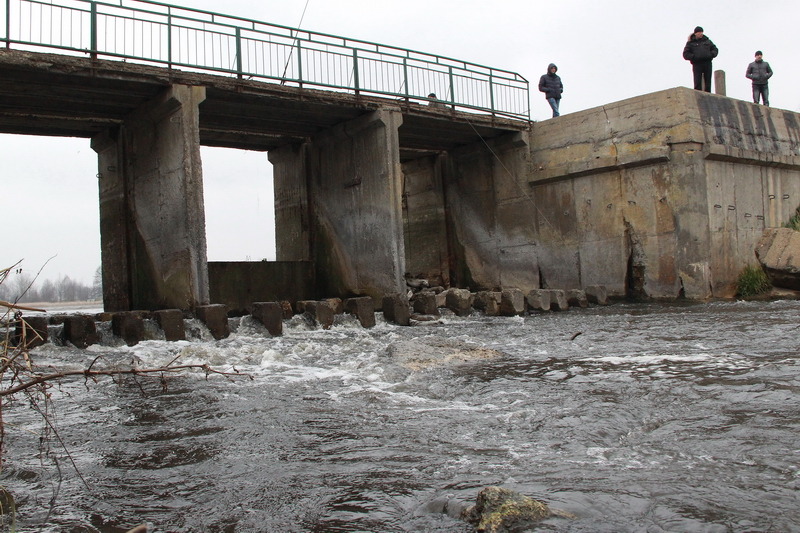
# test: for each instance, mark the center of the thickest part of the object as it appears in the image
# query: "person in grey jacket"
(759, 72)
(550, 84)
(700, 51)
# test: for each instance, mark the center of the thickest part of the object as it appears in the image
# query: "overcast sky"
(605, 52)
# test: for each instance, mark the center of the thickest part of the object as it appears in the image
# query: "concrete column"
(292, 223)
(355, 192)
(719, 82)
(152, 215)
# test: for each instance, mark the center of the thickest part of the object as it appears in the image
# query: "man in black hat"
(700, 51)
(759, 72)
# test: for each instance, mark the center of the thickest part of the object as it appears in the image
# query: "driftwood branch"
(20, 307)
(116, 372)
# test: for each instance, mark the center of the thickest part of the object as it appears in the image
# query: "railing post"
(491, 92)
(299, 63)
(239, 53)
(405, 75)
(93, 38)
(356, 83)
(452, 88)
(169, 37)
(8, 23)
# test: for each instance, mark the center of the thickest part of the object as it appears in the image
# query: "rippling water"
(680, 418)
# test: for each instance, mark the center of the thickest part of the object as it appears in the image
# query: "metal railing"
(163, 34)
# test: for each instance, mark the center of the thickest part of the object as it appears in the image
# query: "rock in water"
(499, 510)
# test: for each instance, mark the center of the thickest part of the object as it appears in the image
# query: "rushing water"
(680, 418)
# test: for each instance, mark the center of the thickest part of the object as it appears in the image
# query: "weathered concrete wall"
(239, 284)
(151, 206)
(669, 191)
(424, 222)
(347, 181)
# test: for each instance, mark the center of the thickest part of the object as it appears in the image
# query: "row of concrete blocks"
(507, 302)
(81, 330)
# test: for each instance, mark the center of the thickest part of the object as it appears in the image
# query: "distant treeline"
(21, 286)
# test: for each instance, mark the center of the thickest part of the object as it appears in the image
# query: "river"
(633, 417)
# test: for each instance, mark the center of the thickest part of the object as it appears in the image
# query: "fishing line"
(297, 39)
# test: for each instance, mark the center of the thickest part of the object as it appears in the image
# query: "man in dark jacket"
(700, 51)
(759, 72)
(550, 84)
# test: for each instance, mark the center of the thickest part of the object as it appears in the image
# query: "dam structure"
(659, 196)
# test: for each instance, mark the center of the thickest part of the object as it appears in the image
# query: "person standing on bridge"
(759, 72)
(700, 51)
(550, 84)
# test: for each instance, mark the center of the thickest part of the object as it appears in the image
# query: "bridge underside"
(339, 169)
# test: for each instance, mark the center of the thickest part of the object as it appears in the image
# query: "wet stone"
(488, 302)
(425, 303)
(322, 312)
(336, 304)
(512, 302)
(538, 300)
(558, 300)
(596, 294)
(270, 314)
(396, 309)
(363, 308)
(129, 326)
(288, 312)
(171, 323)
(459, 301)
(215, 317)
(577, 298)
(79, 330)
(30, 332)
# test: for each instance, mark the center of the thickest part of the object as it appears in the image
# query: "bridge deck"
(58, 95)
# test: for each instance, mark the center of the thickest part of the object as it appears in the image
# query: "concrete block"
(103, 317)
(558, 300)
(288, 312)
(270, 314)
(596, 294)
(30, 332)
(512, 302)
(778, 251)
(441, 299)
(459, 301)
(79, 330)
(336, 304)
(425, 303)
(577, 298)
(129, 326)
(215, 317)
(396, 309)
(488, 302)
(538, 300)
(171, 322)
(363, 308)
(321, 312)
(301, 306)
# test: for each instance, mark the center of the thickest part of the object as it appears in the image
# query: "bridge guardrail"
(163, 34)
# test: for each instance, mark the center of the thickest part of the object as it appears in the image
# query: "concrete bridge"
(661, 196)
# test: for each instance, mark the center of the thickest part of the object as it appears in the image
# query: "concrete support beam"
(152, 218)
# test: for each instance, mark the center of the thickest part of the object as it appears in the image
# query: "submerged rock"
(499, 510)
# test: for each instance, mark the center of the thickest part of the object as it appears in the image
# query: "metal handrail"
(163, 34)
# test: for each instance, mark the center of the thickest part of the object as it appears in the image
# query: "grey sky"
(605, 51)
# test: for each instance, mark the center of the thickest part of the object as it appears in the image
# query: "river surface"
(654, 418)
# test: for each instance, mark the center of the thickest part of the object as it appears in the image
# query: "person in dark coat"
(550, 84)
(759, 72)
(700, 51)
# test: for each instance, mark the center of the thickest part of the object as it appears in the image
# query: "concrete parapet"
(538, 300)
(558, 300)
(129, 326)
(488, 302)
(30, 332)
(425, 303)
(362, 307)
(79, 330)
(458, 301)
(215, 317)
(171, 323)
(577, 298)
(596, 294)
(270, 314)
(512, 302)
(396, 309)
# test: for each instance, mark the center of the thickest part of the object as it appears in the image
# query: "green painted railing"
(178, 37)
